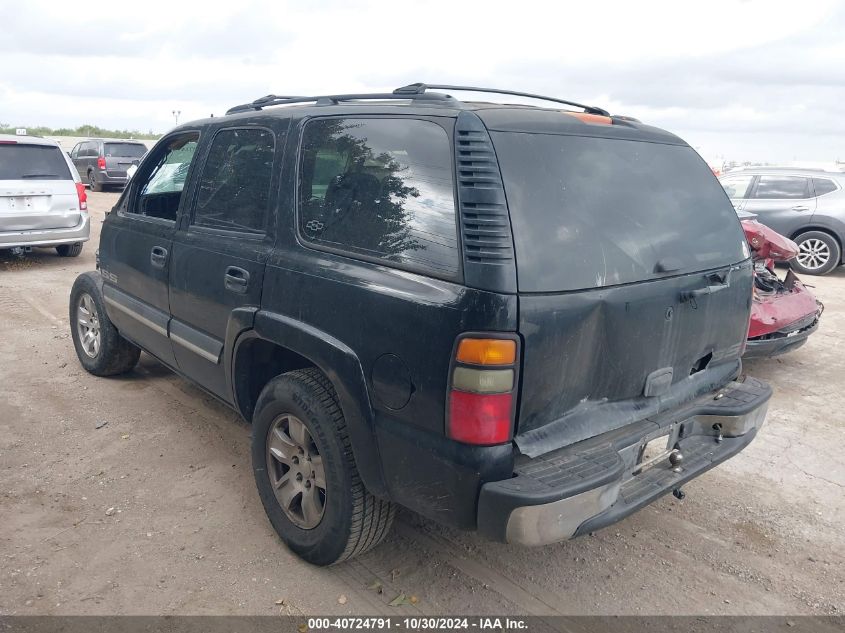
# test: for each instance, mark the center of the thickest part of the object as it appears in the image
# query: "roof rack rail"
(420, 89)
(273, 100)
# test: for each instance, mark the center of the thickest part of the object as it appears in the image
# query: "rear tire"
(69, 250)
(100, 348)
(92, 182)
(818, 253)
(350, 520)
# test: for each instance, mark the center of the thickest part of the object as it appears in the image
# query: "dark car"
(103, 162)
(518, 320)
(805, 205)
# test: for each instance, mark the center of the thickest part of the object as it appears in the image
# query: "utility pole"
(176, 114)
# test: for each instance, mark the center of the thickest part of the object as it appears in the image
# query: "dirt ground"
(156, 512)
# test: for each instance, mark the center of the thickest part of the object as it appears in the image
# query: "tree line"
(82, 130)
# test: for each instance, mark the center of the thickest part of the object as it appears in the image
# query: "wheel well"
(257, 362)
(819, 229)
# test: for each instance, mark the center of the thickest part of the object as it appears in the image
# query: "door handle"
(722, 282)
(236, 279)
(800, 207)
(158, 256)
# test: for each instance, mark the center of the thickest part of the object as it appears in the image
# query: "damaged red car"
(783, 312)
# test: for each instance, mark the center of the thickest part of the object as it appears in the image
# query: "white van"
(42, 200)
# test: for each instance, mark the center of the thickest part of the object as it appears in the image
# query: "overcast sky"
(749, 80)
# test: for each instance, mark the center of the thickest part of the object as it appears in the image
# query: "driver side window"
(160, 185)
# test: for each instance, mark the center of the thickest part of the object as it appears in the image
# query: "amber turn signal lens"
(487, 351)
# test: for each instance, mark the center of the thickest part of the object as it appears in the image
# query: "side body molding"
(343, 368)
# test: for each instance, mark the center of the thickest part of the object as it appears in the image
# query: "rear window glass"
(381, 188)
(32, 162)
(592, 212)
(124, 150)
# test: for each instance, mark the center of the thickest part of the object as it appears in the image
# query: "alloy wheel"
(88, 325)
(296, 471)
(813, 254)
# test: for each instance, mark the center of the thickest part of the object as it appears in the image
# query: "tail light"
(101, 163)
(482, 389)
(83, 197)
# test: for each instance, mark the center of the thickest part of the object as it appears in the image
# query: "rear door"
(220, 250)
(784, 203)
(136, 244)
(119, 156)
(37, 188)
(634, 281)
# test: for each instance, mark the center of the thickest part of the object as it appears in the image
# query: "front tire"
(100, 348)
(69, 250)
(818, 253)
(306, 474)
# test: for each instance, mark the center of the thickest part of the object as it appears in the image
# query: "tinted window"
(591, 212)
(823, 186)
(235, 185)
(89, 149)
(381, 188)
(32, 162)
(160, 184)
(124, 150)
(736, 186)
(781, 188)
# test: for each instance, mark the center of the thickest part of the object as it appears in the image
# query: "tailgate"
(588, 356)
(634, 281)
(37, 205)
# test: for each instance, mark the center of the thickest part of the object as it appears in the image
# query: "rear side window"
(234, 189)
(782, 188)
(124, 150)
(591, 212)
(380, 188)
(823, 186)
(19, 161)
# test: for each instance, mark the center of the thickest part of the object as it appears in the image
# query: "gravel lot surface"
(156, 512)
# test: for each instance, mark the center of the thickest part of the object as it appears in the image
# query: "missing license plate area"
(654, 452)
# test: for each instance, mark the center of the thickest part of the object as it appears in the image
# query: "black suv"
(526, 321)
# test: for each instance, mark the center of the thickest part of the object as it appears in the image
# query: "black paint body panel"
(385, 334)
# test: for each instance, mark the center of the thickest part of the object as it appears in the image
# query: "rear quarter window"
(823, 186)
(19, 161)
(592, 212)
(381, 189)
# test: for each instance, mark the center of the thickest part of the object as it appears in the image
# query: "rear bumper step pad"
(596, 482)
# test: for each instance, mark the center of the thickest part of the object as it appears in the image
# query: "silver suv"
(806, 205)
(42, 200)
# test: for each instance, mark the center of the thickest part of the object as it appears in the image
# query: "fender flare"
(342, 367)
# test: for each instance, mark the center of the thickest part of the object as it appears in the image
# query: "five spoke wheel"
(88, 325)
(296, 471)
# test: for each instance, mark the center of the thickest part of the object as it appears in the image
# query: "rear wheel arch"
(278, 345)
(820, 229)
(256, 361)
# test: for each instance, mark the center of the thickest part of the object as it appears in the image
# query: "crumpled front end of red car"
(783, 312)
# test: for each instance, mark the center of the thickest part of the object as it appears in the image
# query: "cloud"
(734, 78)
